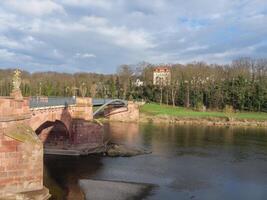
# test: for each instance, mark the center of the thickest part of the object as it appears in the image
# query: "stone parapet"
(21, 159)
(12, 109)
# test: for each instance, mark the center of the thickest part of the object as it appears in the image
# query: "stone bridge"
(65, 116)
(21, 150)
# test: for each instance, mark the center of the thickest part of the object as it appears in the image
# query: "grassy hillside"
(156, 109)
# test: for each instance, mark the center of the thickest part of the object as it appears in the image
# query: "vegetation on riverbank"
(241, 85)
(155, 110)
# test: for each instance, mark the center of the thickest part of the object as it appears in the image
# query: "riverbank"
(167, 114)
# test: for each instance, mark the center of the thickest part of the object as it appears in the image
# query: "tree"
(125, 73)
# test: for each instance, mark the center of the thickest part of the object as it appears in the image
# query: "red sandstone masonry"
(129, 114)
(18, 160)
(21, 163)
(82, 110)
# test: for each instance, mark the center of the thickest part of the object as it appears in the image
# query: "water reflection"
(188, 162)
(62, 174)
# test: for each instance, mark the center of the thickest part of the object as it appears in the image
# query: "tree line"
(241, 84)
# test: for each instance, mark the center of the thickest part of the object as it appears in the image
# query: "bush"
(200, 107)
(229, 111)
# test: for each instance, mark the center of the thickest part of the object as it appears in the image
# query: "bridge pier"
(21, 152)
(83, 109)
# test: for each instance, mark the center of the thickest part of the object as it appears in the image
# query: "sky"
(99, 35)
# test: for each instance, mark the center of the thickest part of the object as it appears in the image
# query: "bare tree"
(125, 73)
(93, 90)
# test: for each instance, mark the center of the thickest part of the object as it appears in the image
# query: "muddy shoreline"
(212, 121)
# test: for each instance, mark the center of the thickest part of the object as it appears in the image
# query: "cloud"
(101, 35)
(119, 35)
(81, 3)
(5, 54)
(85, 55)
(196, 47)
(34, 7)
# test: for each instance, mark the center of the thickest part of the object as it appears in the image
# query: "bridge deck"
(40, 102)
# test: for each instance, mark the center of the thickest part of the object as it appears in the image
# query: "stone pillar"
(21, 152)
(124, 114)
(83, 109)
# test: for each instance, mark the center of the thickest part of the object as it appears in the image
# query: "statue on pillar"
(16, 80)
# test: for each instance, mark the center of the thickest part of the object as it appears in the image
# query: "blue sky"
(100, 35)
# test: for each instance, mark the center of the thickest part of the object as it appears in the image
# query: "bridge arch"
(53, 132)
(40, 116)
(113, 102)
(46, 122)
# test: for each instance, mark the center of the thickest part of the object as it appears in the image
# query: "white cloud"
(81, 3)
(34, 7)
(94, 21)
(196, 47)
(8, 43)
(119, 35)
(85, 55)
(5, 54)
(92, 25)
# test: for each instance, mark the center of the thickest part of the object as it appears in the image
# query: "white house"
(161, 76)
(138, 83)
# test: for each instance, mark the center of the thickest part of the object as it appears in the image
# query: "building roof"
(162, 69)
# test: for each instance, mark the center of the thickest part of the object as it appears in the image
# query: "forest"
(241, 85)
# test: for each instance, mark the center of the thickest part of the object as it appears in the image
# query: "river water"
(187, 162)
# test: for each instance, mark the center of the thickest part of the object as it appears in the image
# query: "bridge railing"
(42, 101)
(38, 102)
(100, 102)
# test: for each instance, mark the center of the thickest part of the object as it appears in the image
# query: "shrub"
(229, 111)
(200, 107)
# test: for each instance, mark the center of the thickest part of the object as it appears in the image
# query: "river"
(187, 162)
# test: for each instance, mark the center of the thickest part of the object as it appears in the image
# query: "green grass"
(156, 109)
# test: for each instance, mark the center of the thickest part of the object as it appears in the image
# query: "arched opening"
(53, 133)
